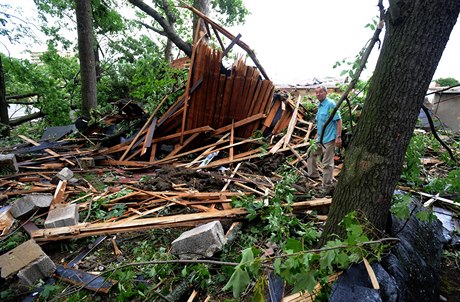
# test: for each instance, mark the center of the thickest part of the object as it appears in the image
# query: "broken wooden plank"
(84, 230)
(240, 123)
(148, 137)
(58, 197)
(292, 123)
(47, 150)
(189, 78)
(179, 147)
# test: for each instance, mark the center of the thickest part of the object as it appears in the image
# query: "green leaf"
(238, 282)
(305, 281)
(277, 266)
(344, 72)
(294, 245)
(326, 260)
(247, 256)
(342, 260)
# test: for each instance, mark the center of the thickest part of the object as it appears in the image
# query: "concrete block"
(200, 242)
(62, 215)
(86, 163)
(28, 259)
(30, 203)
(8, 164)
(65, 174)
(40, 269)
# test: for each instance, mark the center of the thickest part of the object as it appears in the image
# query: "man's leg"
(312, 162)
(328, 163)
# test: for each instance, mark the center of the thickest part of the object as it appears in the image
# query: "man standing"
(331, 139)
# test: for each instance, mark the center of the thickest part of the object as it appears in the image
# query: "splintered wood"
(222, 120)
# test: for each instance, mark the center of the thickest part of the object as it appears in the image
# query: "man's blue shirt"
(325, 108)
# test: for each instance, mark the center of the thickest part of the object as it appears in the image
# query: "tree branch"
(364, 59)
(435, 134)
(158, 31)
(23, 119)
(21, 96)
(169, 31)
(169, 15)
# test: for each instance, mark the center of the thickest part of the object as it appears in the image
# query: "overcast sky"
(297, 40)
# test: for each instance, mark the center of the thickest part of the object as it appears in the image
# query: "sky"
(298, 40)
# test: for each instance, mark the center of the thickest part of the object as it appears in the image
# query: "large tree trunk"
(202, 6)
(86, 55)
(4, 118)
(416, 34)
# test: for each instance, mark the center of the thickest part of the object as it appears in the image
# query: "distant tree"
(416, 31)
(86, 55)
(166, 18)
(447, 82)
(4, 118)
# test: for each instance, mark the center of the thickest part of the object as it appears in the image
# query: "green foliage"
(275, 213)
(232, 11)
(413, 163)
(447, 82)
(53, 81)
(152, 79)
(12, 241)
(448, 185)
(302, 268)
(48, 291)
(13, 26)
(401, 205)
(401, 208)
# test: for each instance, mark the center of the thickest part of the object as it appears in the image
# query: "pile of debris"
(180, 169)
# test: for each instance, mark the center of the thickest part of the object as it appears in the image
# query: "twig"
(435, 134)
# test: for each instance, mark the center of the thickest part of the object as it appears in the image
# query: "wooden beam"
(187, 87)
(84, 230)
(243, 122)
(148, 137)
(49, 151)
(229, 47)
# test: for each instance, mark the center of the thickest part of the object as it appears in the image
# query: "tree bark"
(202, 6)
(4, 118)
(26, 118)
(416, 34)
(86, 55)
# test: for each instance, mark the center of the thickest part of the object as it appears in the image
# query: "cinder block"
(86, 163)
(8, 164)
(62, 215)
(39, 269)
(30, 203)
(200, 242)
(29, 260)
(65, 174)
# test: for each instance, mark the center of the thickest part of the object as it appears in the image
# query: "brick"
(200, 242)
(29, 203)
(62, 215)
